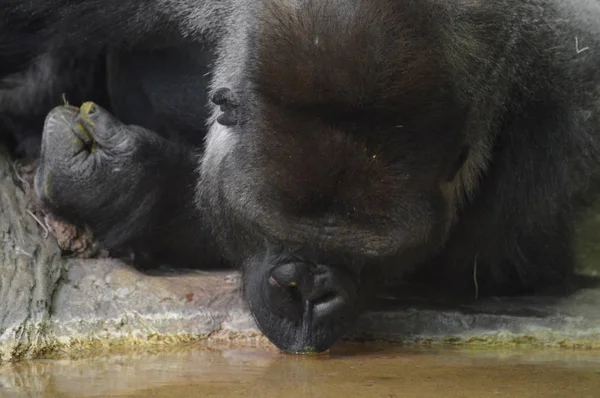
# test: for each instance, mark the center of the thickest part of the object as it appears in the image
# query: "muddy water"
(348, 371)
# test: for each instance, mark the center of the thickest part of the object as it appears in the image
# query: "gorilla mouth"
(302, 307)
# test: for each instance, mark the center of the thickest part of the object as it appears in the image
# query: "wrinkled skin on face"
(321, 177)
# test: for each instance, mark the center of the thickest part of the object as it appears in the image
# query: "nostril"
(284, 284)
(326, 292)
(291, 275)
(324, 298)
(330, 304)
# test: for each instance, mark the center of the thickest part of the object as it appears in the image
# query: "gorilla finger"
(105, 129)
(60, 142)
(58, 176)
(85, 136)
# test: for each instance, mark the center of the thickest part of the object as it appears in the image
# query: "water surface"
(347, 371)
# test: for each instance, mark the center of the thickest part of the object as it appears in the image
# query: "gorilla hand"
(128, 185)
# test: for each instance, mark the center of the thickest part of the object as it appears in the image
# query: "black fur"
(349, 142)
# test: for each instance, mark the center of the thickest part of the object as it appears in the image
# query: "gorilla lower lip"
(308, 351)
(307, 333)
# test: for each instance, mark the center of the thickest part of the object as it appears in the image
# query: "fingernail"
(88, 108)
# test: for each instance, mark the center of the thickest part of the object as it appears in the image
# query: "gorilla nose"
(300, 306)
(311, 293)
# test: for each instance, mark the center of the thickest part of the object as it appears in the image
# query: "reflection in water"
(347, 371)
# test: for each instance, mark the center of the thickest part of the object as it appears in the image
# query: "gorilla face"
(307, 205)
(342, 157)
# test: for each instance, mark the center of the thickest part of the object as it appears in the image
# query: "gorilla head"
(347, 142)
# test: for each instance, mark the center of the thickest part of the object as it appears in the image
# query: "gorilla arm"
(132, 188)
(31, 29)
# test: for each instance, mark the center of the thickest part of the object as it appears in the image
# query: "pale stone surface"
(568, 322)
(49, 304)
(30, 268)
(105, 299)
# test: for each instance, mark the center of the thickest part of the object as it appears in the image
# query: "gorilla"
(325, 147)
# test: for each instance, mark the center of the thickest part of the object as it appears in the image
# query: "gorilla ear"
(228, 104)
(458, 164)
